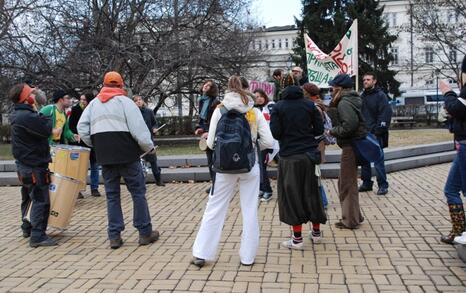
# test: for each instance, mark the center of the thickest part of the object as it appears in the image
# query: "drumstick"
(157, 129)
(149, 151)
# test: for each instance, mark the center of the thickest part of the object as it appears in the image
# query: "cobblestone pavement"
(397, 248)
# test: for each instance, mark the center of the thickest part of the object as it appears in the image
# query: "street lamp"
(437, 73)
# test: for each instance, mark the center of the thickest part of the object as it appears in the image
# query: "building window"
(394, 16)
(273, 44)
(391, 19)
(260, 44)
(394, 52)
(453, 55)
(280, 43)
(286, 43)
(429, 82)
(266, 44)
(429, 55)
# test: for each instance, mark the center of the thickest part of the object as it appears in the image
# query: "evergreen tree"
(327, 21)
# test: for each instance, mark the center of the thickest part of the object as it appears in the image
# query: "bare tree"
(441, 24)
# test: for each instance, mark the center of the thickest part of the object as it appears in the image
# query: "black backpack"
(233, 150)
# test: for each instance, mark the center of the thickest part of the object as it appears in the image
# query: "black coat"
(295, 123)
(457, 109)
(30, 131)
(377, 113)
(76, 113)
(149, 118)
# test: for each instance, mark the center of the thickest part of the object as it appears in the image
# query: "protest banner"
(267, 87)
(321, 67)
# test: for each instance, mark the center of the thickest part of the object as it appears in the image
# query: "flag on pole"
(321, 67)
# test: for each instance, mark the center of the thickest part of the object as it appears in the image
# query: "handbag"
(367, 149)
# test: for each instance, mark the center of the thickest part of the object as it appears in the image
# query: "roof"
(280, 28)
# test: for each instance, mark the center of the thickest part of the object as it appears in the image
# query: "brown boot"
(457, 222)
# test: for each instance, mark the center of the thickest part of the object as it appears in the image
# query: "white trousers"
(207, 239)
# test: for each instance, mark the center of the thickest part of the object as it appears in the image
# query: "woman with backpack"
(296, 123)
(265, 106)
(235, 113)
(312, 92)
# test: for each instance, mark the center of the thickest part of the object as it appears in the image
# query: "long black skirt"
(299, 199)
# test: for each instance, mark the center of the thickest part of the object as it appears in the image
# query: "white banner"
(321, 67)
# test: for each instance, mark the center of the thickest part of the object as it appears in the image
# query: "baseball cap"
(113, 78)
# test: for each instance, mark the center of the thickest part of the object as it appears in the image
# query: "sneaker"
(340, 225)
(198, 262)
(159, 182)
(26, 234)
(46, 242)
(116, 243)
(145, 240)
(266, 196)
(364, 188)
(382, 191)
(95, 192)
(291, 245)
(80, 195)
(315, 236)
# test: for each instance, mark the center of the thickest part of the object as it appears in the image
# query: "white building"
(415, 60)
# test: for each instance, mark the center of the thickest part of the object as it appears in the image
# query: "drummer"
(61, 131)
(29, 133)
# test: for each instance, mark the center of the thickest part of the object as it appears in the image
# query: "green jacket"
(66, 135)
(347, 120)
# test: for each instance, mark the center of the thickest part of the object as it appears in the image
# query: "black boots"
(457, 222)
(158, 180)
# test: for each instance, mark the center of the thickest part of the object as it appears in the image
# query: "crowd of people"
(244, 132)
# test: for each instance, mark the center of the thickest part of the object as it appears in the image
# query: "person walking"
(377, 114)
(456, 181)
(61, 133)
(296, 123)
(208, 237)
(75, 115)
(265, 106)
(114, 126)
(207, 104)
(30, 131)
(151, 123)
(345, 111)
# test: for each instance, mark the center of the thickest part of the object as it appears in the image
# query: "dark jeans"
(134, 180)
(152, 159)
(35, 192)
(94, 175)
(456, 181)
(366, 173)
(265, 181)
(209, 153)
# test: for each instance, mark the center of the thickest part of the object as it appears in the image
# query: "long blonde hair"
(235, 85)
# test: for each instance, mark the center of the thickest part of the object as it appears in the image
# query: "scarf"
(204, 111)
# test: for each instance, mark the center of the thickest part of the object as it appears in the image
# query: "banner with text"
(267, 87)
(321, 67)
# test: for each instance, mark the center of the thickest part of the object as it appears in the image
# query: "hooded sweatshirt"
(257, 122)
(114, 126)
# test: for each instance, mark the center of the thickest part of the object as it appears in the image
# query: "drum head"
(202, 144)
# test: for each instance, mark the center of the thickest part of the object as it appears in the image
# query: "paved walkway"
(397, 248)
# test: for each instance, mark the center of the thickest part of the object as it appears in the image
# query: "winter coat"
(233, 101)
(76, 113)
(456, 107)
(149, 119)
(66, 135)
(296, 123)
(30, 132)
(114, 126)
(377, 113)
(348, 123)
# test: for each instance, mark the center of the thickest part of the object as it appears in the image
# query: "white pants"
(209, 234)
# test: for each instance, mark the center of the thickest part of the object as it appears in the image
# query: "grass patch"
(398, 138)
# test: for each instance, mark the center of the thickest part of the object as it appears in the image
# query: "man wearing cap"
(29, 142)
(345, 111)
(61, 131)
(298, 74)
(114, 126)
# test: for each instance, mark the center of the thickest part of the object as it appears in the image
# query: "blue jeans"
(456, 181)
(35, 192)
(94, 175)
(135, 182)
(323, 195)
(366, 173)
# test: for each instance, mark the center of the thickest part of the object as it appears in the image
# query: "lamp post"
(437, 73)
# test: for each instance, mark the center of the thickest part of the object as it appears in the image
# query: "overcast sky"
(276, 12)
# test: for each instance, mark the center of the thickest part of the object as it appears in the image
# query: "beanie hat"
(311, 89)
(342, 80)
(57, 95)
(288, 79)
(113, 78)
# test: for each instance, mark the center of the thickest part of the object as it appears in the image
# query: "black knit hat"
(57, 95)
(343, 80)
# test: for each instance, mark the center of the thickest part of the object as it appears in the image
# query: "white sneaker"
(291, 245)
(316, 237)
